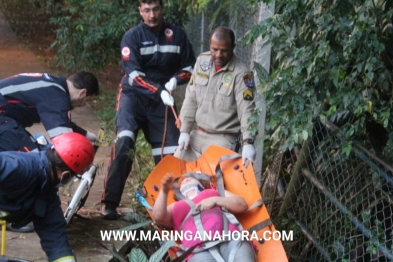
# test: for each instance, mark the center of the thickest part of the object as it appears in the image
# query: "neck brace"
(196, 187)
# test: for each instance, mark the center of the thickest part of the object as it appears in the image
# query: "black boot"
(25, 229)
(108, 211)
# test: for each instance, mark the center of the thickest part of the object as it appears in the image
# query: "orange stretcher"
(238, 180)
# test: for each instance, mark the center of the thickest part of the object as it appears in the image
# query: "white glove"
(167, 98)
(92, 137)
(171, 85)
(88, 177)
(248, 154)
(184, 140)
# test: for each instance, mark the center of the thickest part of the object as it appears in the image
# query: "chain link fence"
(339, 207)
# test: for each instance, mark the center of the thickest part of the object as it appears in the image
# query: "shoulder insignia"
(168, 34)
(125, 52)
(190, 80)
(205, 65)
(248, 79)
(248, 94)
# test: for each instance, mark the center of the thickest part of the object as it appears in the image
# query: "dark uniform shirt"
(38, 97)
(27, 195)
(150, 60)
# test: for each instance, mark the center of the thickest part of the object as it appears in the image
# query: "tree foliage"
(232, 13)
(89, 31)
(329, 59)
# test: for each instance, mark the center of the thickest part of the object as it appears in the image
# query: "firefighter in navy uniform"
(156, 56)
(220, 98)
(29, 189)
(31, 98)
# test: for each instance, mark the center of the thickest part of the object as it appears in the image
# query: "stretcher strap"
(216, 254)
(219, 174)
(258, 203)
(234, 247)
(260, 225)
(210, 246)
(190, 212)
(232, 219)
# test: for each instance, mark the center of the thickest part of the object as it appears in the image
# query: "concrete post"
(262, 56)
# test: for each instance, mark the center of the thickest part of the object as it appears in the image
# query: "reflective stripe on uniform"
(133, 75)
(58, 131)
(28, 86)
(160, 48)
(127, 133)
(167, 150)
(66, 259)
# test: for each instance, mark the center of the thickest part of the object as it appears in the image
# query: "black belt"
(203, 130)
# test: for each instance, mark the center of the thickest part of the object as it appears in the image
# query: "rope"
(166, 126)
(165, 129)
(174, 113)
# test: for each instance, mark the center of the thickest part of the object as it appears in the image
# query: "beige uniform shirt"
(219, 102)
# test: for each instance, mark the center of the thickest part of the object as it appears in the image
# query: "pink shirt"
(211, 219)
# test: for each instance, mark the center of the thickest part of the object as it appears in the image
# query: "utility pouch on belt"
(235, 146)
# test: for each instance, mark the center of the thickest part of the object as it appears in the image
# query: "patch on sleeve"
(248, 79)
(205, 65)
(248, 95)
(125, 52)
(168, 34)
(191, 80)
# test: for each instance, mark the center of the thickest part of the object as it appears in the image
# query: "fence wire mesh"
(341, 206)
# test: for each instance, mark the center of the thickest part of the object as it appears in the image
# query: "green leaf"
(305, 134)
(117, 255)
(335, 72)
(137, 254)
(160, 253)
(136, 226)
(135, 217)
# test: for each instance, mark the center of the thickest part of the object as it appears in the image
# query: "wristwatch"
(249, 140)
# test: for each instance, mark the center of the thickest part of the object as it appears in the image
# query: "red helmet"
(75, 150)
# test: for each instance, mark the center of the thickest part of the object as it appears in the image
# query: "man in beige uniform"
(219, 100)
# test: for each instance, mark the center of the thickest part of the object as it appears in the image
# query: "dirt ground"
(31, 23)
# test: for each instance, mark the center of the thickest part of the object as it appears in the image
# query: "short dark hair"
(150, 1)
(55, 160)
(85, 80)
(223, 33)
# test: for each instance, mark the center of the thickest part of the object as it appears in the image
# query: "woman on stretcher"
(200, 208)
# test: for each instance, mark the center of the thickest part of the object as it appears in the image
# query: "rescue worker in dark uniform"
(220, 98)
(29, 189)
(156, 56)
(31, 98)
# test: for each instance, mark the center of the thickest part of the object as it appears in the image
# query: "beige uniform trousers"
(200, 141)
